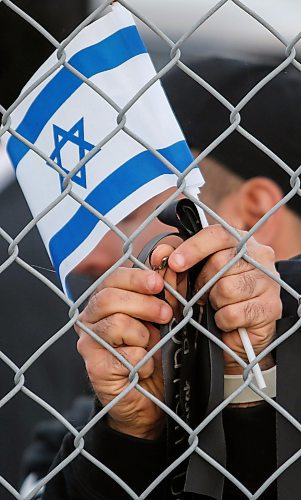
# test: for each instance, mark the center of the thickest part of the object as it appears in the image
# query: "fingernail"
(165, 312)
(151, 281)
(179, 259)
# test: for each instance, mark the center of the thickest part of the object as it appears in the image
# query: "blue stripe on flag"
(103, 56)
(116, 187)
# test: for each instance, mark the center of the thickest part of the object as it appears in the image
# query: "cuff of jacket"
(136, 461)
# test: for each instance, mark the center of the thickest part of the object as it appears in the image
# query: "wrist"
(142, 432)
(234, 369)
(248, 397)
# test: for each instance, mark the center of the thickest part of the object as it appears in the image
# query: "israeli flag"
(66, 119)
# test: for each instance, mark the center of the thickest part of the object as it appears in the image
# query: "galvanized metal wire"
(289, 58)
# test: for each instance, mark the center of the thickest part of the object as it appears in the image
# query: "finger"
(239, 288)
(260, 339)
(261, 253)
(208, 241)
(118, 330)
(113, 300)
(170, 276)
(134, 355)
(160, 252)
(154, 336)
(253, 313)
(132, 279)
(216, 262)
(121, 329)
(103, 367)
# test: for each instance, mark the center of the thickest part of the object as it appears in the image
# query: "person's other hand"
(243, 297)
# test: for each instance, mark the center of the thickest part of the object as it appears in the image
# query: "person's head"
(242, 183)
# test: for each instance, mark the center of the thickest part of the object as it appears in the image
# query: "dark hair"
(273, 116)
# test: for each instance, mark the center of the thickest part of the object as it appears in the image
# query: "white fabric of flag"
(65, 119)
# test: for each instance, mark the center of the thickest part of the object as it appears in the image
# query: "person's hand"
(120, 313)
(243, 297)
(124, 305)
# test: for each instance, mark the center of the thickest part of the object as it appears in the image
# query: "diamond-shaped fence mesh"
(177, 330)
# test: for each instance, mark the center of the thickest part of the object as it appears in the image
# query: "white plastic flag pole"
(242, 331)
(246, 342)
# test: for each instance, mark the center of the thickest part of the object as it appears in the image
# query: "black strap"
(193, 371)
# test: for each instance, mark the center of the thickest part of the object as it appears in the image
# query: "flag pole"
(245, 339)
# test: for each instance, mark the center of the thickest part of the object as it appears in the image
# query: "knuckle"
(92, 370)
(275, 309)
(263, 252)
(253, 312)
(84, 330)
(77, 329)
(268, 252)
(118, 322)
(217, 261)
(246, 284)
(224, 289)
(106, 328)
(231, 316)
(221, 233)
(123, 298)
(227, 318)
(81, 345)
(214, 299)
(222, 258)
(135, 277)
(136, 354)
(105, 299)
(143, 333)
(111, 328)
(93, 303)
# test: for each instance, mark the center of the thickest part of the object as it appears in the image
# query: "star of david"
(76, 136)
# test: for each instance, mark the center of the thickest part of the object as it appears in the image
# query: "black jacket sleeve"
(249, 432)
(136, 461)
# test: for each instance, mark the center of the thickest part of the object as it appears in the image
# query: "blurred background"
(230, 31)
(29, 312)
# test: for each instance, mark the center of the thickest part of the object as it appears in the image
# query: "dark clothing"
(138, 462)
(250, 438)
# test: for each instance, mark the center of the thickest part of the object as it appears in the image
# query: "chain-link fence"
(177, 331)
